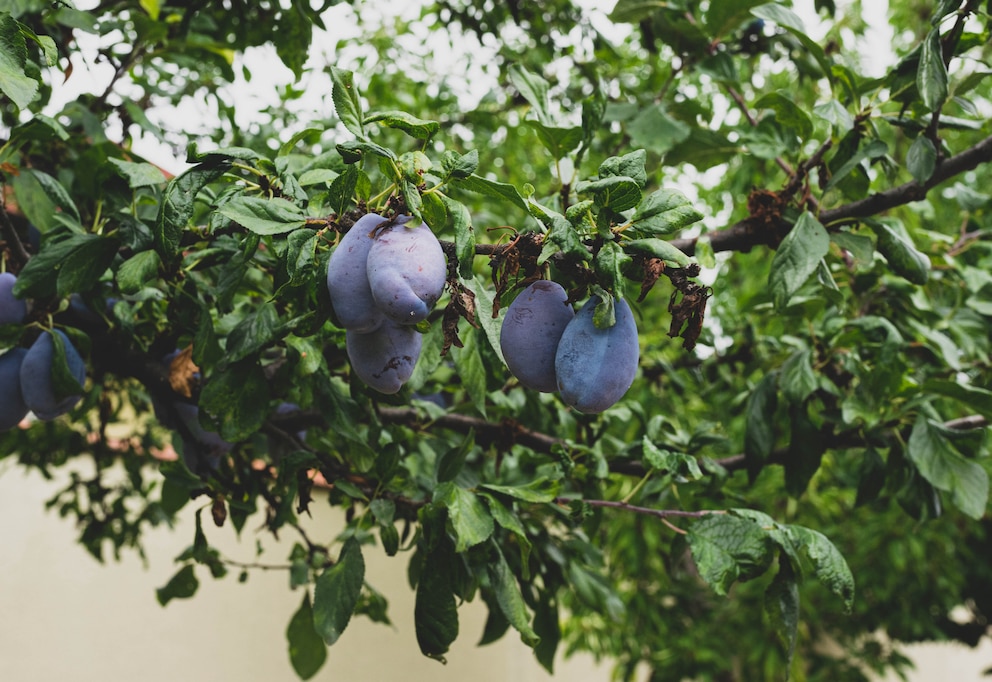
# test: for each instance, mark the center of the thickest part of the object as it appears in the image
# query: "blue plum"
(531, 329)
(406, 272)
(12, 406)
(200, 448)
(594, 366)
(12, 310)
(384, 359)
(347, 278)
(36, 376)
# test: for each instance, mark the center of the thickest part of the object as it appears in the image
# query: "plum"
(36, 376)
(406, 272)
(530, 333)
(594, 366)
(12, 407)
(384, 359)
(200, 448)
(12, 310)
(347, 278)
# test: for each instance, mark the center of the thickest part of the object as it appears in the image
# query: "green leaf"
(787, 112)
(664, 211)
(139, 174)
(471, 522)
(55, 192)
(944, 468)
(609, 264)
(177, 205)
(539, 491)
(20, 88)
(921, 159)
(472, 369)
(781, 606)
(264, 216)
(759, 431)
(64, 383)
(347, 103)
(727, 548)
(71, 265)
(484, 305)
(659, 248)
(872, 150)
(307, 651)
(409, 124)
(493, 189)
(182, 586)
(791, 22)
(301, 249)
(900, 253)
(978, 399)
(654, 129)
(295, 31)
(632, 166)
(534, 89)
(829, 565)
(459, 166)
(450, 463)
(435, 612)
(558, 141)
(723, 16)
(510, 601)
(336, 592)
(617, 192)
(798, 379)
(461, 219)
(255, 331)
(562, 235)
(237, 398)
(797, 258)
(677, 464)
(634, 11)
(931, 74)
(137, 270)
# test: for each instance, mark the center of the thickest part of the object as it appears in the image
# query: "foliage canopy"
(803, 236)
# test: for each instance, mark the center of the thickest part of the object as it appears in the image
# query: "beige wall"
(63, 616)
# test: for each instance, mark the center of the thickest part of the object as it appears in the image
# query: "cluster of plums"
(26, 373)
(384, 277)
(548, 347)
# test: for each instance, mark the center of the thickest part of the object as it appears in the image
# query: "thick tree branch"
(742, 236)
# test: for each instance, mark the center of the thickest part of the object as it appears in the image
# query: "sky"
(269, 75)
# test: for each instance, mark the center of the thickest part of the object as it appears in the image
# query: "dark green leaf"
(409, 124)
(470, 520)
(872, 150)
(176, 208)
(782, 608)
(534, 89)
(182, 586)
(659, 248)
(459, 166)
(64, 383)
(40, 277)
(797, 258)
(791, 22)
(931, 75)
(435, 613)
(921, 159)
(307, 651)
(264, 216)
(337, 591)
(829, 565)
(137, 270)
(461, 218)
(727, 548)
(633, 11)
(492, 188)
(139, 174)
(450, 463)
(798, 379)
(347, 103)
(664, 211)
(787, 112)
(759, 428)
(238, 398)
(944, 468)
(55, 192)
(558, 141)
(540, 490)
(14, 83)
(510, 601)
(630, 165)
(978, 399)
(723, 16)
(900, 253)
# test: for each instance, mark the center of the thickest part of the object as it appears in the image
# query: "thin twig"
(647, 511)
